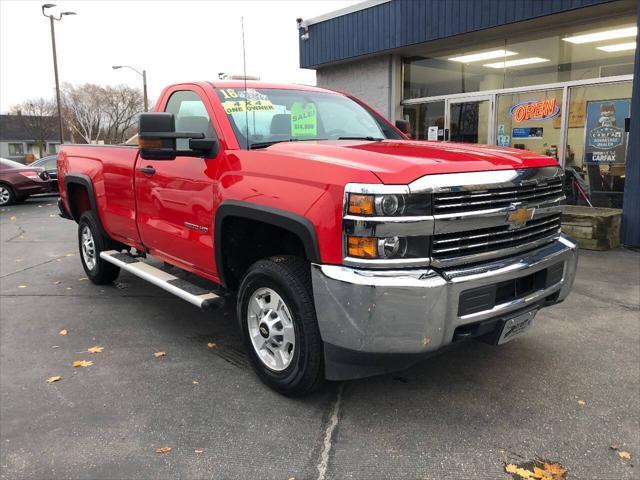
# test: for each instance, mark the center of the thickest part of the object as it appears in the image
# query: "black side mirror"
(157, 139)
(404, 126)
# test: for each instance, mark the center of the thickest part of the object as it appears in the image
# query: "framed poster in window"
(605, 137)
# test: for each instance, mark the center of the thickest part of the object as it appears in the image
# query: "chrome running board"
(193, 294)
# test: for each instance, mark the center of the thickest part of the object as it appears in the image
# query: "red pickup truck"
(353, 250)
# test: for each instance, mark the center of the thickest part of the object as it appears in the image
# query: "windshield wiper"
(368, 137)
(273, 142)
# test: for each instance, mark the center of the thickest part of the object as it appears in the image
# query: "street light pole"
(55, 72)
(143, 74)
(55, 63)
(144, 88)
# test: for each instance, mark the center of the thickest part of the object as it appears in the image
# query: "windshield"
(275, 115)
(46, 162)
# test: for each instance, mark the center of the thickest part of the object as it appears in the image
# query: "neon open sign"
(536, 110)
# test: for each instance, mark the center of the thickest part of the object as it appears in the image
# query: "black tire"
(11, 195)
(289, 277)
(102, 272)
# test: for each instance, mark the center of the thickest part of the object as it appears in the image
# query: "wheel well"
(79, 201)
(245, 241)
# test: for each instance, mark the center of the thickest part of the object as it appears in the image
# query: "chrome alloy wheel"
(271, 329)
(88, 248)
(5, 195)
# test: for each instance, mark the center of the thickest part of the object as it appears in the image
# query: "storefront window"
(597, 144)
(530, 121)
(450, 73)
(424, 117)
(538, 57)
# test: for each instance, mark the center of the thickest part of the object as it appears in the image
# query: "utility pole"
(55, 62)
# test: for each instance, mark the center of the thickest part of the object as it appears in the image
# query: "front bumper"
(414, 312)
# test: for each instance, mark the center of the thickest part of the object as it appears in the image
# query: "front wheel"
(91, 241)
(278, 321)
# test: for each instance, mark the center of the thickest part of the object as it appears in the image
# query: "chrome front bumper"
(416, 311)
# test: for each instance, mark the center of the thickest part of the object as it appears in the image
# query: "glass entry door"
(469, 120)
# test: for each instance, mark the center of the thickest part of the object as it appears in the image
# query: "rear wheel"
(91, 241)
(7, 197)
(278, 321)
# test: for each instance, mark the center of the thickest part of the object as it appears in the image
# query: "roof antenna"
(244, 67)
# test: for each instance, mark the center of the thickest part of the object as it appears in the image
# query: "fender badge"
(193, 226)
(520, 217)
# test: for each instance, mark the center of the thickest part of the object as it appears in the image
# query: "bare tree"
(83, 110)
(122, 105)
(37, 117)
(98, 113)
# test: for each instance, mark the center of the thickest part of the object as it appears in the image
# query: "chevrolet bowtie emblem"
(520, 217)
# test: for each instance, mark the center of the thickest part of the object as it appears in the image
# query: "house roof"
(15, 127)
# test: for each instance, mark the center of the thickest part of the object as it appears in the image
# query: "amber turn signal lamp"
(361, 247)
(150, 142)
(360, 204)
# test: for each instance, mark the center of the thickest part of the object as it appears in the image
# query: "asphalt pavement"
(566, 392)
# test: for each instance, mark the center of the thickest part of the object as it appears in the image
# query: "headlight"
(389, 205)
(386, 226)
(392, 247)
(388, 248)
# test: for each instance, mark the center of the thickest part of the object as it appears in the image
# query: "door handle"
(148, 170)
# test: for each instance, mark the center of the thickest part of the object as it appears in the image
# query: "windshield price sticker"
(304, 120)
(238, 106)
(249, 94)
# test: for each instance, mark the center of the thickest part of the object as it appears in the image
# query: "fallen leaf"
(521, 472)
(95, 349)
(212, 345)
(12, 218)
(199, 451)
(55, 378)
(82, 363)
(582, 402)
(541, 471)
(163, 450)
(426, 341)
(159, 354)
(555, 469)
(625, 455)
(63, 331)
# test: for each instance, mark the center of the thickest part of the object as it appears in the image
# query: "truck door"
(175, 198)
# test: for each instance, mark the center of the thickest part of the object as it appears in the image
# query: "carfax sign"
(605, 138)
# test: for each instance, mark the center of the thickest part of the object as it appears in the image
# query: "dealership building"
(557, 77)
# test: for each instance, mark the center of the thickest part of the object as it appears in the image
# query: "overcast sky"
(173, 40)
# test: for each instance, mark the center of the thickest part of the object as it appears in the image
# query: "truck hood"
(403, 161)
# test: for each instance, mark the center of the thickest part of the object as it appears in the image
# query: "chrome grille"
(473, 200)
(476, 245)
